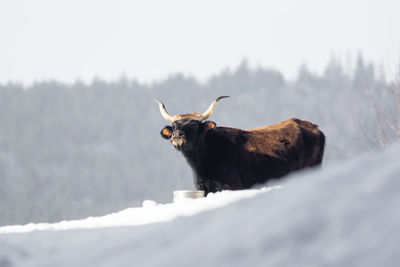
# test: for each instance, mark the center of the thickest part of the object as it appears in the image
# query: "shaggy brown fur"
(294, 134)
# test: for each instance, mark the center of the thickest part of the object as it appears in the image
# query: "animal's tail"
(320, 148)
(318, 144)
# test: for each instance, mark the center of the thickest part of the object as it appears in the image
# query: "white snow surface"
(344, 214)
(150, 212)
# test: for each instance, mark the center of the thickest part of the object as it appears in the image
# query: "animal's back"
(297, 141)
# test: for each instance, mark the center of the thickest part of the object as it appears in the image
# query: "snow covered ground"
(150, 212)
(344, 214)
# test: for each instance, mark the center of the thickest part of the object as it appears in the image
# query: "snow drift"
(341, 215)
(150, 212)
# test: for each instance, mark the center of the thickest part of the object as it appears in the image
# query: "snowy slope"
(342, 215)
(151, 212)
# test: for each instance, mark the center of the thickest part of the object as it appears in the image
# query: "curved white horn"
(211, 109)
(164, 112)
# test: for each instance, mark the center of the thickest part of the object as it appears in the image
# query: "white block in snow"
(184, 195)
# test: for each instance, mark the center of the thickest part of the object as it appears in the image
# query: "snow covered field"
(150, 212)
(345, 214)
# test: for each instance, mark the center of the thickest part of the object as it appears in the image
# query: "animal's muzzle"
(177, 134)
(178, 138)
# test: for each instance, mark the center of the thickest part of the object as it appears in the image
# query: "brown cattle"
(228, 158)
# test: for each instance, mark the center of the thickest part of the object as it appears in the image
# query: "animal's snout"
(178, 134)
(178, 138)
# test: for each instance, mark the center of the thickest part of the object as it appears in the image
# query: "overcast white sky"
(66, 40)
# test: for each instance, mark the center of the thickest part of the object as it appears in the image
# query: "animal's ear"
(209, 125)
(166, 132)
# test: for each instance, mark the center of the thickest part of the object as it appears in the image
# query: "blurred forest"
(76, 150)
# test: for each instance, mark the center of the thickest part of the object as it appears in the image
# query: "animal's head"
(187, 129)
